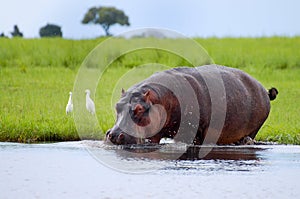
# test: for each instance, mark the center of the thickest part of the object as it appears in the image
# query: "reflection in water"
(221, 159)
(222, 153)
(164, 152)
(181, 157)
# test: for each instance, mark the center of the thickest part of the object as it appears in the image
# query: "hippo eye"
(136, 97)
(136, 94)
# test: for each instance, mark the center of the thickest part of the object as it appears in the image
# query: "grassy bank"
(37, 74)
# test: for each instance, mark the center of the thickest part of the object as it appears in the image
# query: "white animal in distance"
(90, 105)
(69, 107)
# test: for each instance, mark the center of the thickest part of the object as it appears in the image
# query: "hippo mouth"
(121, 138)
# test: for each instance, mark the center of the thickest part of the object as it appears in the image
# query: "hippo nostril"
(120, 139)
(121, 136)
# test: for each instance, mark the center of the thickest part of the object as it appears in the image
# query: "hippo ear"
(123, 92)
(149, 96)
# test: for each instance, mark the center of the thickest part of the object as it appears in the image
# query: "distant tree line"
(104, 16)
(49, 30)
(15, 33)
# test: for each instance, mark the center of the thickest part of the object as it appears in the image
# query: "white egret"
(90, 106)
(69, 107)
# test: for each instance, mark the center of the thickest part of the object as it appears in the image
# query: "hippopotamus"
(189, 104)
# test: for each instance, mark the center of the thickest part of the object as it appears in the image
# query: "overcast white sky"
(192, 18)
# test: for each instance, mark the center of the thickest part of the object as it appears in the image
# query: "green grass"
(37, 74)
(33, 104)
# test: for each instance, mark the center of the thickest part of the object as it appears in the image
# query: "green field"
(36, 76)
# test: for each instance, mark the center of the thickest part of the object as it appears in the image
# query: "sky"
(192, 18)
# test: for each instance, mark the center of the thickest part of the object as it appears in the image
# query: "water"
(69, 170)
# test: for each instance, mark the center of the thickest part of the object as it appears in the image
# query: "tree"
(50, 30)
(16, 32)
(106, 17)
(3, 35)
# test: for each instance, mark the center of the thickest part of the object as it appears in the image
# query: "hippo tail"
(273, 92)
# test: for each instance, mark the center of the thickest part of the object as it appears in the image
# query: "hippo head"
(138, 117)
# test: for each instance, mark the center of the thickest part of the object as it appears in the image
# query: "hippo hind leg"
(253, 133)
(248, 139)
